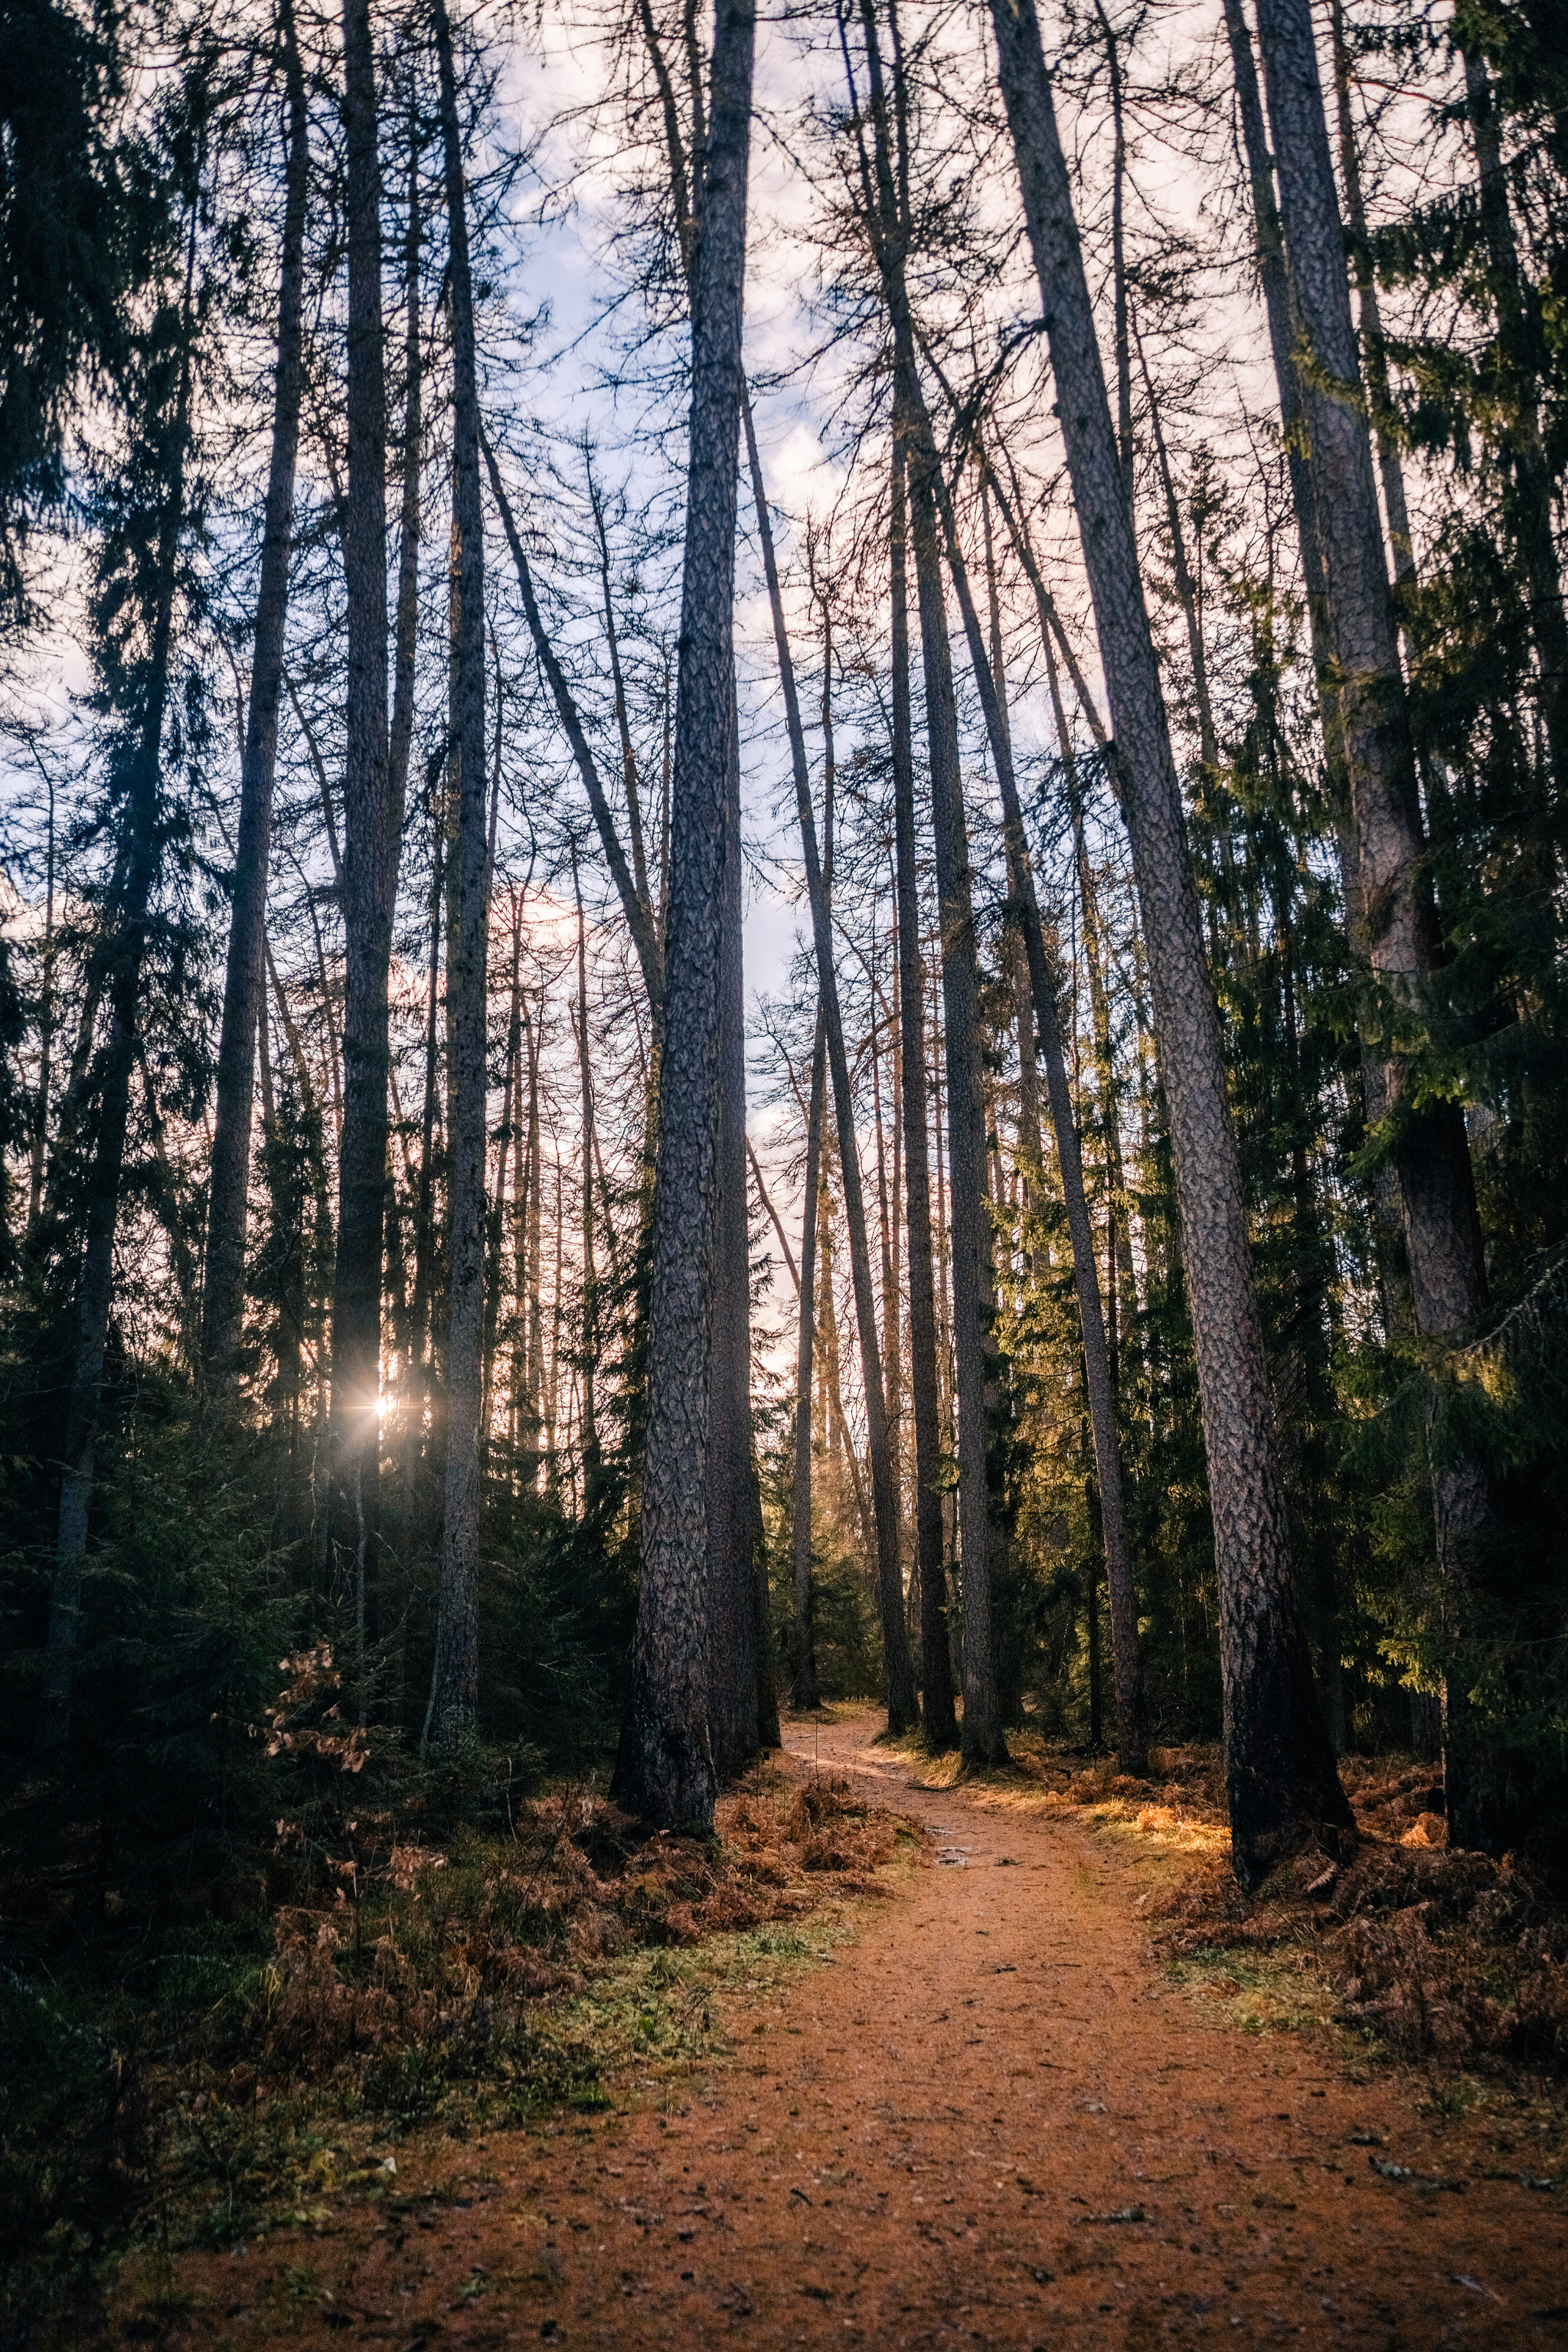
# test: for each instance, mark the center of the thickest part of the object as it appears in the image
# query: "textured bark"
(525, 1193)
(732, 1631)
(902, 1703)
(533, 1389)
(591, 1461)
(804, 1691)
(1280, 1768)
(406, 628)
(1398, 927)
(507, 1147)
(973, 1342)
(1273, 283)
(1024, 915)
(222, 1303)
(115, 977)
(455, 1679)
(931, 1570)
(665, 1767)
(372, 828)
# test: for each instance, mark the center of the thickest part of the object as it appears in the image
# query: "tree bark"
(507, 1146)
(1279, 311)
(1281, 1774)
(665, 1767)
(372, 829)
(804, 1691)
(533, 1387)
(732, 1628)
(592, 1463)
(1399, 938)
(454, 1688)
(973, 1342)
(902, 1702)
(1024, 915)
(941, 1718)
(223, 1301)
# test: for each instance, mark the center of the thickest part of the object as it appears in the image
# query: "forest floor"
(1004, 2125)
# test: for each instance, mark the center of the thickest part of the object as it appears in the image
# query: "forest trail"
(988, 2122)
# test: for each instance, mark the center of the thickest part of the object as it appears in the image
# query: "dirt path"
(987, 2123)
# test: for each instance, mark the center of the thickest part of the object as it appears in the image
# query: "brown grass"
(427, 1944)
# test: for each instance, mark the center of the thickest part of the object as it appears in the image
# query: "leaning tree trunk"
(1280, 1768)
(372, 832)
(1398, 933)
(223, 1301)
(936, 1656)
(1024, 912)
(902, 1704)
(974, 1343)
(454, 1688)
(666, 1766)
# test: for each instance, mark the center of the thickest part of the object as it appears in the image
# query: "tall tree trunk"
(1279, 311)
(534, 1385)
(731, 1623)
(902, 1703)
(592, 1464)
(454, 1688)
(666, 1766)
(1018, 951)
(222, 1303)
(805, 1693)
(117, 967)
(1280, 1768)
(406, 633)
(1398, 928)
(936, 1668)
(1025, 916)
(37, 1155)
(372, 831)
(973, 1339)
(1119, 298)
(507, 1145)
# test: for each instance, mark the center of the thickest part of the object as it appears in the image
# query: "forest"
(784, 830)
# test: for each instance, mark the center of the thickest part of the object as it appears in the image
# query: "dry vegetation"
(402, 1981)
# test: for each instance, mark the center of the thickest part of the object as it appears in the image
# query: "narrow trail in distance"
(988, 2122)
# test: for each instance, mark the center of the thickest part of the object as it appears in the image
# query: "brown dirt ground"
(1001, 2128)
